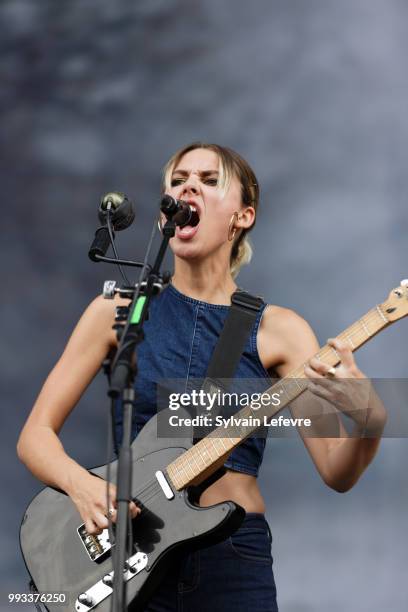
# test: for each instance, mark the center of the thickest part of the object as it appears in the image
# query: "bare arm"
(39, 447)
(339, 460)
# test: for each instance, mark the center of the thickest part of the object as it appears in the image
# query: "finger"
(112, 494)
(134, 510)
(92, 528)
(344, 351)
(101, 521)
(311, 372)
(320, 391)
(318, 365)
(111, 514)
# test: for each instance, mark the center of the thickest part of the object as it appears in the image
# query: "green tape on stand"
(137, 311)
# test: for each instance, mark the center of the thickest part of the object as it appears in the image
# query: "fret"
(382, 315)
(282, 389)
(335, 352)
(185, 464)
(177, 476)
(223, 443)
(364, 325)
(197, 454)
(349, 340)
(215, 447)
(194, 455)
(299, 386)
(190, 467)
(204, 453)
(290, 386)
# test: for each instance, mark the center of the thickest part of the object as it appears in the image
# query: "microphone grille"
(114, 197)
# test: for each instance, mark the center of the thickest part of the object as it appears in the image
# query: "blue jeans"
(235, 575)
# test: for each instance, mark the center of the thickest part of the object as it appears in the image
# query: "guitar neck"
(210, 453)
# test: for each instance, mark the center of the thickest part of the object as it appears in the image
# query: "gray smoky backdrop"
(95, 96)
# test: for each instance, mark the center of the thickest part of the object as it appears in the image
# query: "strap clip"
(246, 300)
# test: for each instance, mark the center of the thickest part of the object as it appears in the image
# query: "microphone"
(121, 215)
(179, 211)
(120, 210)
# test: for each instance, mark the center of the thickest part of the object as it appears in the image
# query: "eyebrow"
(201, 172)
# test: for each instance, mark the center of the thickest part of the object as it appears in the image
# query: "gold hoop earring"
(231, 229)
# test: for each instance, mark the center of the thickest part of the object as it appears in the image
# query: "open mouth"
(194, 218)
(188, 220)
(189, 227)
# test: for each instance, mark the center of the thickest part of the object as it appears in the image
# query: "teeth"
(193, 207)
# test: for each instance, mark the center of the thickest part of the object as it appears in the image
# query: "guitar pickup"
(97, 546)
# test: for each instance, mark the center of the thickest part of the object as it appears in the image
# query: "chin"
(186, 251)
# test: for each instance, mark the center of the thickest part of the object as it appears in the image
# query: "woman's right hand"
(90, 498)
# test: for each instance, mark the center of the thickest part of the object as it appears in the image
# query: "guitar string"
(355, 328)
(145, 490)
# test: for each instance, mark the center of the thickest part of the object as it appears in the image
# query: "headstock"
(396, 306)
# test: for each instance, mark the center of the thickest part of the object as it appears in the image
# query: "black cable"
(112, 241)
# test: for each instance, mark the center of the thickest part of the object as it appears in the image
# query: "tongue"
(186, 231)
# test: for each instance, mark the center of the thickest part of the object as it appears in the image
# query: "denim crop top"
(180, 336)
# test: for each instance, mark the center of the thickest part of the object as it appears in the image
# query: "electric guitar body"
(60, 558)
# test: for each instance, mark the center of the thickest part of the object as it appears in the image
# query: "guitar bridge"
(96, 546)
(102, 589)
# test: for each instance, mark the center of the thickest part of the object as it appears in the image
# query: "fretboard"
(210, 453)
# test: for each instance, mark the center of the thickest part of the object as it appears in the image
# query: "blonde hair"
(230, 164)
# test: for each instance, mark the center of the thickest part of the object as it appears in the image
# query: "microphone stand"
(123, 371)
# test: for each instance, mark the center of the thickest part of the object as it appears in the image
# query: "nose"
(190, 185)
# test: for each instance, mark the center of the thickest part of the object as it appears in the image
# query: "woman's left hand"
(348, 389)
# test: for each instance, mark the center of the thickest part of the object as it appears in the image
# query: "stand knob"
(109, 287)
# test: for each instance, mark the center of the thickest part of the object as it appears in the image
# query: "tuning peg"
(404, 283)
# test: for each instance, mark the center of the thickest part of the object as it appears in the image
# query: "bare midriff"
(238, 487)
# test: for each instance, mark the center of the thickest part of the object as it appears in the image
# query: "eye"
(211, 181)
(176, 181)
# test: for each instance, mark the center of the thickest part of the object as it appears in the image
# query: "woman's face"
(194, 180)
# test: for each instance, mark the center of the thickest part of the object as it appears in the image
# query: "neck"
(209, 281)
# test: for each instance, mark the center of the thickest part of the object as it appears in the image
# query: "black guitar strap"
(228, 350)
(227, 353)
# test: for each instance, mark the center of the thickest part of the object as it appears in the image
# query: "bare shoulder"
(99, 317)
(284, 339)
(281, 321)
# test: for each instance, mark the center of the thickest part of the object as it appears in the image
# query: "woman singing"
(235, 574)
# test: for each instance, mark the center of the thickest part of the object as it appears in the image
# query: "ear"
(246, 218)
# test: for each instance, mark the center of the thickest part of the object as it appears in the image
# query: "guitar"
(167, 477)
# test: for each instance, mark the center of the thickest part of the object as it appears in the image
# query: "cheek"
(214, 231)
(216, 223)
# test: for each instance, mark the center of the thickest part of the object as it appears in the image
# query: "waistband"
(254, 517)
(256, 520)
